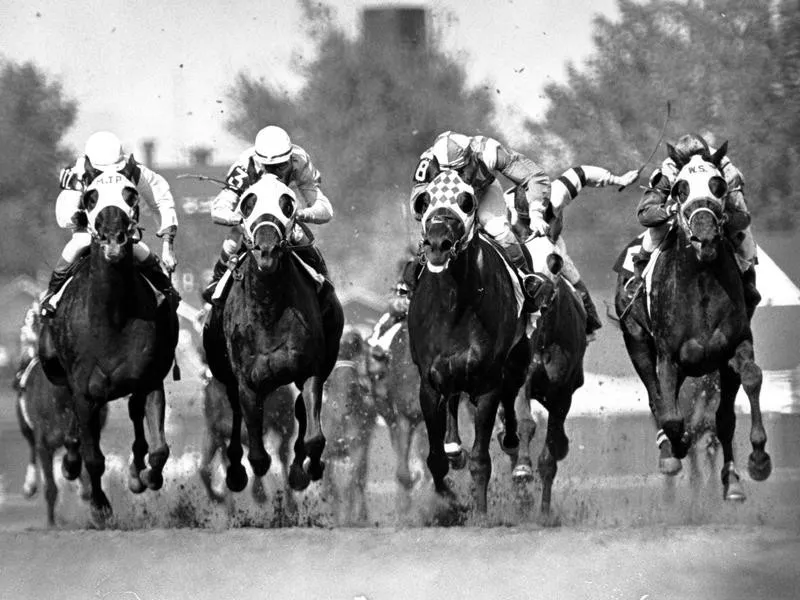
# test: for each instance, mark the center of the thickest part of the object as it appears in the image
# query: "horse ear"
(673, 154)
(129, 171)
(248, 204)
(89, 172)
(717, 157)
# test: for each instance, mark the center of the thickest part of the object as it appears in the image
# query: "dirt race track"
(623, 531)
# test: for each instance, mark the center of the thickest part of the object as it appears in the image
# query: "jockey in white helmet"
(656, 214)
(477, 160)
(102, 153)
(273, 152)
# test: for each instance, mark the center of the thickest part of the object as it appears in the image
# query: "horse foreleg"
(31, 475)
(759, 463)
(253, 411)
(50, 487)
(556, 448)
(89, 426)
(289, 504)
(401, 432)
(480, 463)
(434, 411)
(154, 410)
(71, 463)
(452, 437)
(668, 416)
(523, 469)
(236, 476)
(298, 478)
(140, 447)
(314, 439)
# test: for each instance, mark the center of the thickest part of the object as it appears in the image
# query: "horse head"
(700, 190)
(268, 209)
(111, 205)
(447, 210)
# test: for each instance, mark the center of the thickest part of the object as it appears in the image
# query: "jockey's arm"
(423, 175)
(567, 187)
(307, 179)
(522, 170)
(68, 212)
(652, 209)
(735, 208)
(155, 191)
(223, 209)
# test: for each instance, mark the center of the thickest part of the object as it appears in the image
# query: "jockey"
(477, 160)
(655, 214)
(28, 341)
(103, 152)
(563, 191)
(273, 152)
(399, 299)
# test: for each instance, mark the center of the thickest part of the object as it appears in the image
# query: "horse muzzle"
(113, 252)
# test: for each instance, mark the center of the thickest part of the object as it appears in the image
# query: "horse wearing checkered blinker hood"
(466, 328)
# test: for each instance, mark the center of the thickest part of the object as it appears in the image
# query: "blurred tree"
(728, 66)
(34, 115)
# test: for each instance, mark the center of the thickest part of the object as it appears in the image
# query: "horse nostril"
(446, 245)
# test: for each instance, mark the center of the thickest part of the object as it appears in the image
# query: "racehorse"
(694, 320)
(47, 422)
(275, 328)
(349, 421)
(558, 345)
(466, 329)
(278, 417)
(394, 381)
(111, 337)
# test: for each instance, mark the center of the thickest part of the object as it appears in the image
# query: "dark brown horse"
(110, 337)
(47, 420)
(466, 329)
(558, 345)
(694, 320)
(278, 418)
(349, 420)
(278, 326)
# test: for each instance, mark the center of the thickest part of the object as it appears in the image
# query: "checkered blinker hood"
(267, 202)
(448, 191)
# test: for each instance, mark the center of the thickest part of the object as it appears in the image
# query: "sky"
(161, 70)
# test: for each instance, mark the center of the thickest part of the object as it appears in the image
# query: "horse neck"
(462, 271)
(111, 284)
(268, 288)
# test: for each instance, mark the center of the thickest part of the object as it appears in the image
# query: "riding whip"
(658, 143)
(201, 178)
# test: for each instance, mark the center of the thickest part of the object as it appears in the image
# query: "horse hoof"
(669, 466)
(135, 484)
(316, 469)
(734, 492)
(236, 478)
(759, 466)
(522, 474)
(512, 449)
(548, 519)
(457, 460)
(152, 479)
(298, 478)
(260, 466)
(70, 469)
(101, 510)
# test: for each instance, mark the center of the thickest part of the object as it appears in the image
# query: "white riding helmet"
(272, 146)
(104, 150)
(451, 150)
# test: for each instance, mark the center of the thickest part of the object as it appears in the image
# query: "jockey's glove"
(539, 226)
(222, 215)
(626, 179)
(68, 179)
(672, 208)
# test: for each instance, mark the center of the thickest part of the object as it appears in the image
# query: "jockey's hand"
(627, 179)
(301, 216)
(222, 215)
(168, 256)
(539, 227)
(65, 179)
(672, 208)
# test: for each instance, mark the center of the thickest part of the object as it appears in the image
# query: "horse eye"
(287, 205)
(421, 203)
(466, 202)
(248, 204)
(680, 191)
(130, 196)
(718, 186)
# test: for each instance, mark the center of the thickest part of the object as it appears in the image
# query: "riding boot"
(60, 275)
(640, 260)
(593, 322)
(150, 267)
(219, 270)
(752, 297)
(537, 289)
